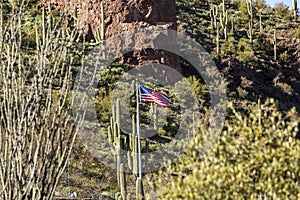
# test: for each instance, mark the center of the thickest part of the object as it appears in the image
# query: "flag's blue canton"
(148, 95)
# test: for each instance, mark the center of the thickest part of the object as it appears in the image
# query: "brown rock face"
(136, 13)
(123, 15)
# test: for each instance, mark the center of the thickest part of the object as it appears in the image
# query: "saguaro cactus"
(275, 45)
(214, 16)
(123, 182)
(295, 9)
(218, 39)
(121, 141)
(135, 156)
(115, 137)
(224, 20)
(155, 117)
(118, 152)
(102, 23)
(260, 23)
(110, 136)
(118, 112)
(250, 13)
(139, 189)
(1, 24)
(99, 35)
(232, 25)
(129, 160)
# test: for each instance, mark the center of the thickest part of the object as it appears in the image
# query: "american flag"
(148, 95)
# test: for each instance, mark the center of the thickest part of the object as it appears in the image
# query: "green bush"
(245, 52)
(229, 47)
(297, 33)
(256, 157)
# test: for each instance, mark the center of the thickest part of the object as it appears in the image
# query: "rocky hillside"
(118, 16)
(45, 44)
(267, 66)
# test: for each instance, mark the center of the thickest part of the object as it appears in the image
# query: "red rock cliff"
(123, 15)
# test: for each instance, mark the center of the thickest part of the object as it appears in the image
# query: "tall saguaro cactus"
(218, 39)
(1, 25)
(260, 23)
(251, 20)
(121, 142)
(214, 16)
(232, 25)
(224, 20)
(123, 182)
(139, 189)
(275, 45)
(155, 116)
(295, 9)
(114, 136)
(102, 22)
(99, 35)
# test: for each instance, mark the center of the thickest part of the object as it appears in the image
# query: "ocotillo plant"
(49, 16)
(295, 9)
(39, 116)
(75, 19)
(118, 196)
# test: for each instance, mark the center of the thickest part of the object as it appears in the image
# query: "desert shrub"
(297, 33)
(284, 57)
(282, 11)
(256, 157)
(229, 47)
(245, 52)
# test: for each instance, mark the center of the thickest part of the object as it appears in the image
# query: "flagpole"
(138, 127)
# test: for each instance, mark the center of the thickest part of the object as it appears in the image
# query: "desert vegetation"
(257, 154)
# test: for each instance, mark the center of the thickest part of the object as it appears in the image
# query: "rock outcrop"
(125, 15)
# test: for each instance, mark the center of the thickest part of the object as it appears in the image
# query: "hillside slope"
(253, 71)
